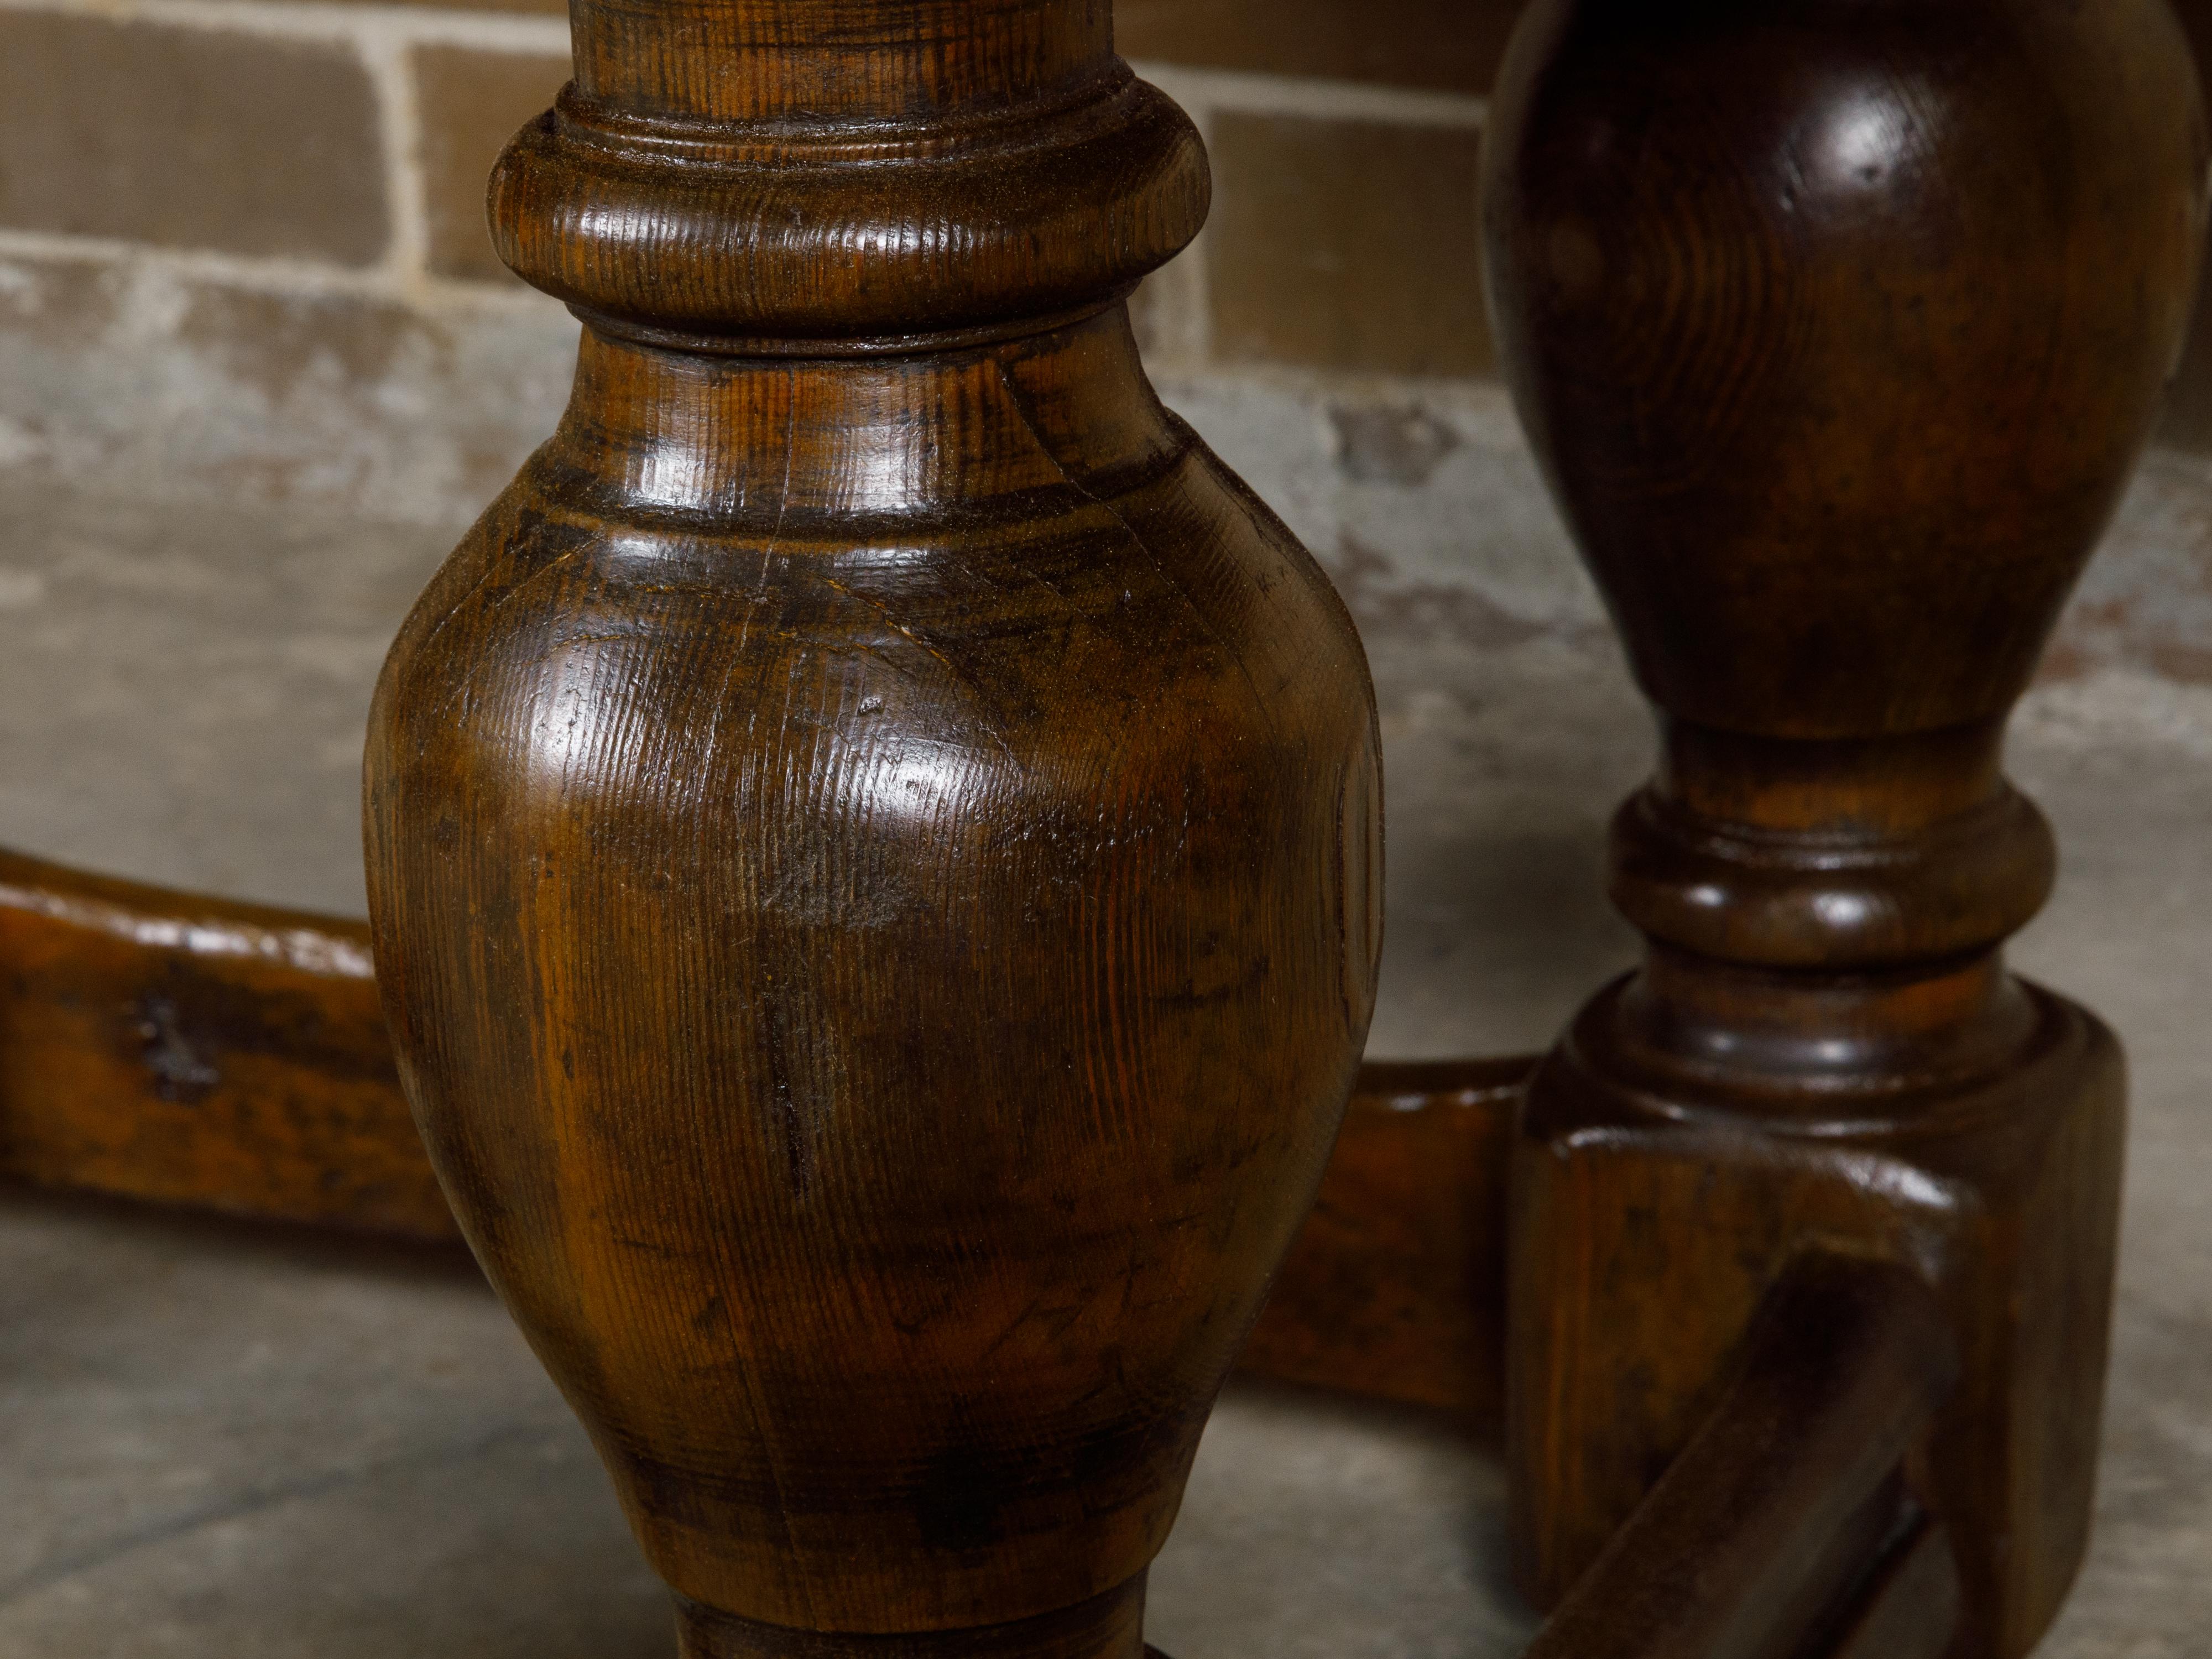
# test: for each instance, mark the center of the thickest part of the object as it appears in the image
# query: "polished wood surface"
(1396, 1287)
(874, 841)
(1835, 328)
(187, 1050)
(167, 1045)
(1784, 1529)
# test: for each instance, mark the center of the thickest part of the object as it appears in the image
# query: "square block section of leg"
(471, 103)
(189, 137)
(1346, 245)
(1642, 1247)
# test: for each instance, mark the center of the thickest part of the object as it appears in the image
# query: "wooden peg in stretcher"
(188, 1050)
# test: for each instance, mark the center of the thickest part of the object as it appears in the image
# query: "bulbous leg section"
(874, 841)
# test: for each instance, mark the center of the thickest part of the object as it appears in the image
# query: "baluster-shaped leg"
(1836, 327)
(874, 839)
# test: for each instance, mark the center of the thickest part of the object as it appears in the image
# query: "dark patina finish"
(1837, 328)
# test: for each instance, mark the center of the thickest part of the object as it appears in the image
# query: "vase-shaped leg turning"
(874, 837)
(1836, 326)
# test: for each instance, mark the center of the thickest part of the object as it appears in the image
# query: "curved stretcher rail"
(169, 1046)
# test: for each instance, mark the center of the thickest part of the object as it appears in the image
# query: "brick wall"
(242, 253)
(338, 148)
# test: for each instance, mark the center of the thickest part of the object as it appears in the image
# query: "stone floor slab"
(226, 1443)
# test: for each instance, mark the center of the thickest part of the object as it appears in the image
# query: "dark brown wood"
(173, 1046)
(1396, 1287)
(1836, 327)
(1908, 1607)
(1784, 1529)
(167, 1045)
(874, 840)
(875, 843)
(170, 1045)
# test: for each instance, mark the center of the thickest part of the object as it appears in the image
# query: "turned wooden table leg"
(1837, 328)
(874, 838)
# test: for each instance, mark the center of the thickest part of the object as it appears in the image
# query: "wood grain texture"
(874, 840)
(167, 1045)
(1783, 1529)
(1396, 1287)
(187, 1050)
(1836, 329)
(782, 176)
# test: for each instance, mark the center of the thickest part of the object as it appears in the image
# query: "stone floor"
(220, 1442)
